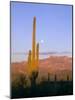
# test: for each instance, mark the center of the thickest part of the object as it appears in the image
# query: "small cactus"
(67, 77)
(48, 76)
(55, 77)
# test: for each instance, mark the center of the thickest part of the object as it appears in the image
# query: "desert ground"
(54, 78)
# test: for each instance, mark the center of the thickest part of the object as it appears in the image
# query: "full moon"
(42, 41)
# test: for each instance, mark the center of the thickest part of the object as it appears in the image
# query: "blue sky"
(53, 26)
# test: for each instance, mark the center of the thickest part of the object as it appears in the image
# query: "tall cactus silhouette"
(33, 57)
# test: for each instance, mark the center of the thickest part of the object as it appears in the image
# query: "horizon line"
(42, 53)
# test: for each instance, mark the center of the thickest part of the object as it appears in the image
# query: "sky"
(53, 27)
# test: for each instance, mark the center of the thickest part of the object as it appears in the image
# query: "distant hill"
(54, 65)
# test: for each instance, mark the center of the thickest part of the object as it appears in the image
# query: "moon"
(42, 41)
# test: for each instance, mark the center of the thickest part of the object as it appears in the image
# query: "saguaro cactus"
(33, 57)
(33, 41)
